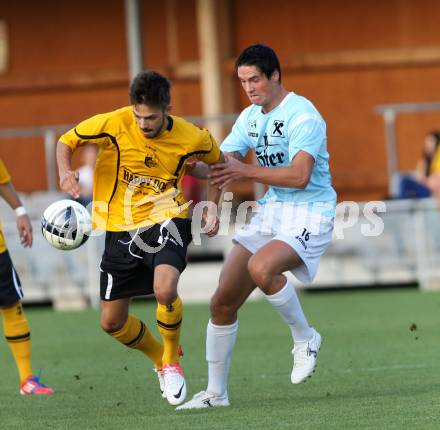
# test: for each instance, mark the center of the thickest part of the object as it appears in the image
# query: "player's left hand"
(24, 227)
(224, 173)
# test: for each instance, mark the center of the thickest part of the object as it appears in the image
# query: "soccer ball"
(66, 224)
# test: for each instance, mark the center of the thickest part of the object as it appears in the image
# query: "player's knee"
(165, 287)
(165, 296)
(221, 309)
(110, 325)
(259, 272)
(214, 307)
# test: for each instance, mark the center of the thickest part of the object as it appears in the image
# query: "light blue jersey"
(276, 137)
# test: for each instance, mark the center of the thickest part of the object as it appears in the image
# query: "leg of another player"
(129, 330)
(266, 267)
(17, 334)
(235, 285)
(169, 321)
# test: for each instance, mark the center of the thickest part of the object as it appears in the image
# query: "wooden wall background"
(67, 61)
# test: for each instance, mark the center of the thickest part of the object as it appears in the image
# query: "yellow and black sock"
(135, 334)
(18, 336)
(169, 320)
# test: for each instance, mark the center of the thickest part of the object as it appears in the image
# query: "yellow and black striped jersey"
(4, 179)
(138, 181)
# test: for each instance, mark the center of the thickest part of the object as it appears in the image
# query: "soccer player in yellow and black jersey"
(138, 200)
(15, 324)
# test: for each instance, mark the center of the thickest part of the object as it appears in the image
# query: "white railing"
(407, 251)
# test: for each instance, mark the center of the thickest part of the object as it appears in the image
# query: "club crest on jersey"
(252, 128)
(150, 160)
(277, 128)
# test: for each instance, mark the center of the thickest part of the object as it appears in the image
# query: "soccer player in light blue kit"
(292, 226)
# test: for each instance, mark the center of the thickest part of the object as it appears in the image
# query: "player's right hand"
(211, 223)
(69, 183)
(24, 227)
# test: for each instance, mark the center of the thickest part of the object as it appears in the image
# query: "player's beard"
(151, 134)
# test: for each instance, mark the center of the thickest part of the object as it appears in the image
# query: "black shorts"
(10, 285)
(129, 259)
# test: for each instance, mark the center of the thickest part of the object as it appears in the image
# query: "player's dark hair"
(260, 56)
(151, 89)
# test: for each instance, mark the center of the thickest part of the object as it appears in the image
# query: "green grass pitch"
(379, 368)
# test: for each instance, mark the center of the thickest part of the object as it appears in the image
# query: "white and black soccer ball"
(66, 224)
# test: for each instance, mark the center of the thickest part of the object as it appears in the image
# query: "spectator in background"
(426, 181)
(433, 174)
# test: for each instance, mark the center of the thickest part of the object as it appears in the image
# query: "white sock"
(288, 306)
(220, 341)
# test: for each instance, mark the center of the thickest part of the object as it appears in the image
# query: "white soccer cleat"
(305, 356)
(205, 400)
(174, 383)
(161, 379)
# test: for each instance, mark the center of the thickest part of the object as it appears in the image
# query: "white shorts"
(307, 233)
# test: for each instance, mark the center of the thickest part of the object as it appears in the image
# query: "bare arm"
(210, 213)
(201, 170)
(7, 191)
(24, 226)
(214, 191)
(198, 169)
(68, 177)
(236, 154)
(297, 175)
